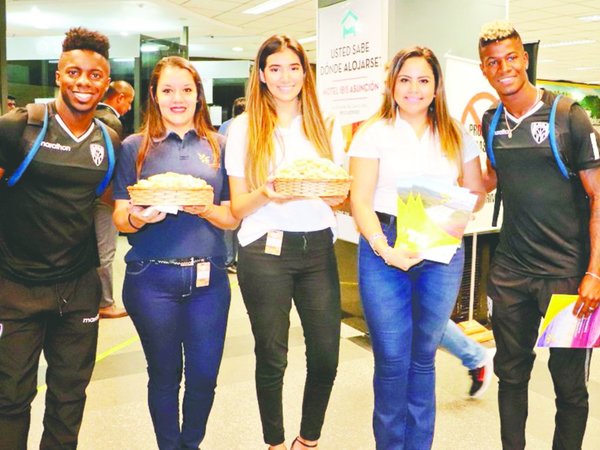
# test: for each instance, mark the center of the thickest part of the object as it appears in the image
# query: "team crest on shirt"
(97, 152)
(205, 159)
(539, 131)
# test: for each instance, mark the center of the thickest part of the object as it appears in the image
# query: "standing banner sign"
(351, 58)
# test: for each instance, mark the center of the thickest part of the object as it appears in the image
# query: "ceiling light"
(587, 68)
(267, 6)
(237, 49)
(567, 43)
(308, 39)
(594, 18)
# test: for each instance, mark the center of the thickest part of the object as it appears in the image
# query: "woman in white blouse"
(407, 301)
(286, 244)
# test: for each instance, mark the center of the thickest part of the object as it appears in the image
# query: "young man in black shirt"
(49, 287)
(550, 237)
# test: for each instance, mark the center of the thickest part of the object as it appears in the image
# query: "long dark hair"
(153, 126)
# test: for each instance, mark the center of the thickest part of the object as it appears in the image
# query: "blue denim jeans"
(470, 352)
(176, 319)
(406, 313)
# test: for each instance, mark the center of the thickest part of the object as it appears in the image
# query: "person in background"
(238, 107)
(11, 102)
(231, 241)
(117, 102)
(176, 288)
(478, 359)
(407, 301)
(550, 236)
(286, 244)
(49, 286)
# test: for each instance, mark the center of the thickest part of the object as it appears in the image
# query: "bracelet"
(593, 275)
(131, 223)
(385, 253)
(373, 238)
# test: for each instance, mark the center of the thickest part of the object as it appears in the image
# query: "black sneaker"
(482, 376)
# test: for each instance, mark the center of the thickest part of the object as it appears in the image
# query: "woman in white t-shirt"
(407, 301)
(286, 244)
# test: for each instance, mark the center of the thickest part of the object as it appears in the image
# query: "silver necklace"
(538, 97)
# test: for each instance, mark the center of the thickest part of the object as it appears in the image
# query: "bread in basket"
(316, 177)
(171, 189)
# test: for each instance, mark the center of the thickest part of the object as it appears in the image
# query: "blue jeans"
(174, 318)
(470, 352)
(406, 313)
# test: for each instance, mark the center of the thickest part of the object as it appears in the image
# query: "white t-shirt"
(296, 215)
(402, 154)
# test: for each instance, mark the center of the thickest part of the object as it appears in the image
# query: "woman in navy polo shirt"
(176, 288)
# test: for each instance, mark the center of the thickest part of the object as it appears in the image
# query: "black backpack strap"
(37, 113)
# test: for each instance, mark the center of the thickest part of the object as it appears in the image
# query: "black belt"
(385, 218)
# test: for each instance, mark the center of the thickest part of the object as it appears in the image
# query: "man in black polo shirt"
(550, 237)
(49, 287)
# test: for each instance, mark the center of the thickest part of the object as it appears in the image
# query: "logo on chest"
(97, 152)
(539, 131)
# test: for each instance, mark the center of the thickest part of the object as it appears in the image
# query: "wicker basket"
(177, 197)
(304, 187)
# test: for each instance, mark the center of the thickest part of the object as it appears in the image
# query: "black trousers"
(306, 272)
(519, 303)
(62, 320)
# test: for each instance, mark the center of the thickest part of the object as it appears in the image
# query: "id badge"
(274, 241)
(202, 274)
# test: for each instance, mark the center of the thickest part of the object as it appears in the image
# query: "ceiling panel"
(549, 21)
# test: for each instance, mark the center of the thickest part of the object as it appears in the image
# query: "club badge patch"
(97, 152)
(539, 131)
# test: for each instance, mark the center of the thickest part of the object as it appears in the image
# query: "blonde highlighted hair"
(438, 117)
(153, 126)
(262, 113)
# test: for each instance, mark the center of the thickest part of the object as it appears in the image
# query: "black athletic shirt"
(545, 227)
(46, 219)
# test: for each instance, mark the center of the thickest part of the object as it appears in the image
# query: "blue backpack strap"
(490, 136)
(552, 136)
(16, 176)
(111, 158)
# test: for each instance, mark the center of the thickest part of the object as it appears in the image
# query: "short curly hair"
(83, 39)
(495, 31)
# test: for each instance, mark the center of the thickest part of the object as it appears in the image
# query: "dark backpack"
(558, 112)
(38, 115)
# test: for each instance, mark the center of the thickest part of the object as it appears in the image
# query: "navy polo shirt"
(180, 235)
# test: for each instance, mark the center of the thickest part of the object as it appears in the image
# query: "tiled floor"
(117, 417)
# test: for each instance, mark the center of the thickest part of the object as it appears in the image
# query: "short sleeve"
(235, 149)
(470, 149)
(584, 138)
(364, 142)
(125, 173)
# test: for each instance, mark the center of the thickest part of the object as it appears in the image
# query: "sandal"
(303, 443)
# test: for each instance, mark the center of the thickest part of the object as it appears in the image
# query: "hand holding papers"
(432, 217)
(561, 328)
